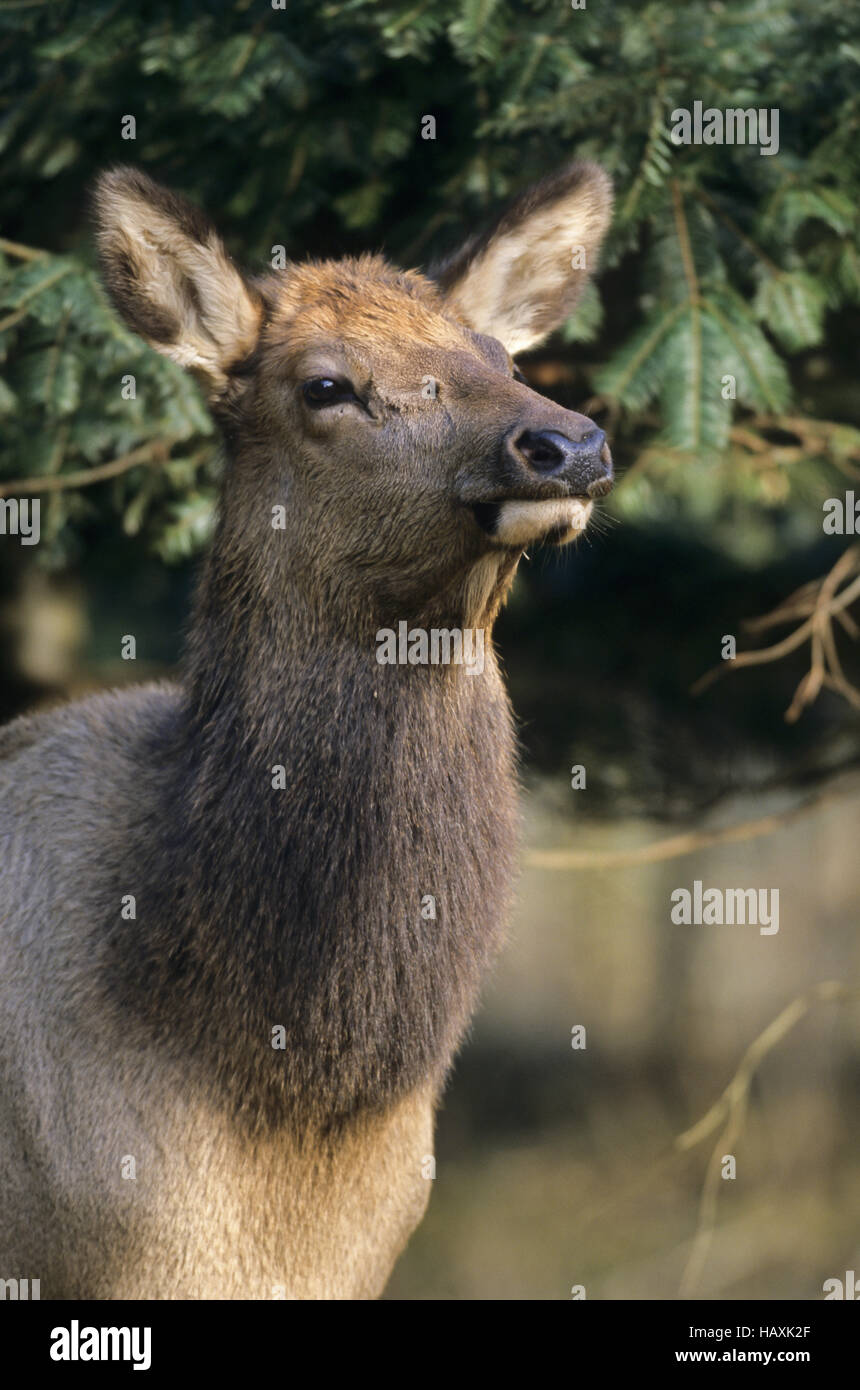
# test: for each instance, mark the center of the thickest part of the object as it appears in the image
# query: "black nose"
(585, 463)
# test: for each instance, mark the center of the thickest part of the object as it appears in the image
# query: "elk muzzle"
(552, 477)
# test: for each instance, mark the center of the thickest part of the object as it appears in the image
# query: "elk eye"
(327, 390)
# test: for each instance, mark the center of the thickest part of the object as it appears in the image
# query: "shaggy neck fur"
(301, 907)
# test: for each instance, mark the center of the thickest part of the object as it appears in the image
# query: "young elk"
(232, 1095)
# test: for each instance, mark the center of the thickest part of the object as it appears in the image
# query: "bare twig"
(674, 846)
(815, 437)
(730, 1111)
(819, 604)
(24, 253)
(157, 453)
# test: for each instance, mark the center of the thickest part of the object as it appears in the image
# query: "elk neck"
(336, 848)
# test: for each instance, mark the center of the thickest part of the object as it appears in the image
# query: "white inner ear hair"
(219, 324)
(520, 287)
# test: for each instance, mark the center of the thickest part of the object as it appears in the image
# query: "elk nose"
(585, 463)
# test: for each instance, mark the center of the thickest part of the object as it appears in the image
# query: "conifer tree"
(707, 341)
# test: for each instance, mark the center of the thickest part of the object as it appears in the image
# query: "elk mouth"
(516, 522)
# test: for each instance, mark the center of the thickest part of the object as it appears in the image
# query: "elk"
(232, 1095)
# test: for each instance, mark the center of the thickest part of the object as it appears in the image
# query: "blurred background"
(302, 127)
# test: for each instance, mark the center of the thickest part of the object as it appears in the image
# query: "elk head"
(380, 409)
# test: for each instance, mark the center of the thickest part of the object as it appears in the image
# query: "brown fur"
(300, 1168)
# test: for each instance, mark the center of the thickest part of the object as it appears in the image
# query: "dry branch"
(818, 605)
(674, 846)
(156, 453)
(731, 1108)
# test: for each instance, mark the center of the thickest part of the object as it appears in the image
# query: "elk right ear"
(520, 279)
(169, 275)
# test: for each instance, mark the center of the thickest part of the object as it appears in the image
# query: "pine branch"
(156, 453)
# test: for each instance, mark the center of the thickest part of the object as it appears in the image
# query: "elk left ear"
(522, 278)
(170, 277)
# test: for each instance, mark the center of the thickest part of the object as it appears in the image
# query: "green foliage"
(69, 371)
(302, 126)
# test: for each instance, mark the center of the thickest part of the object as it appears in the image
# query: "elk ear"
(168, 274)
(521, 279)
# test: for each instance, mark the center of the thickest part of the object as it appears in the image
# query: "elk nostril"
(585, 461)
(540, 450)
